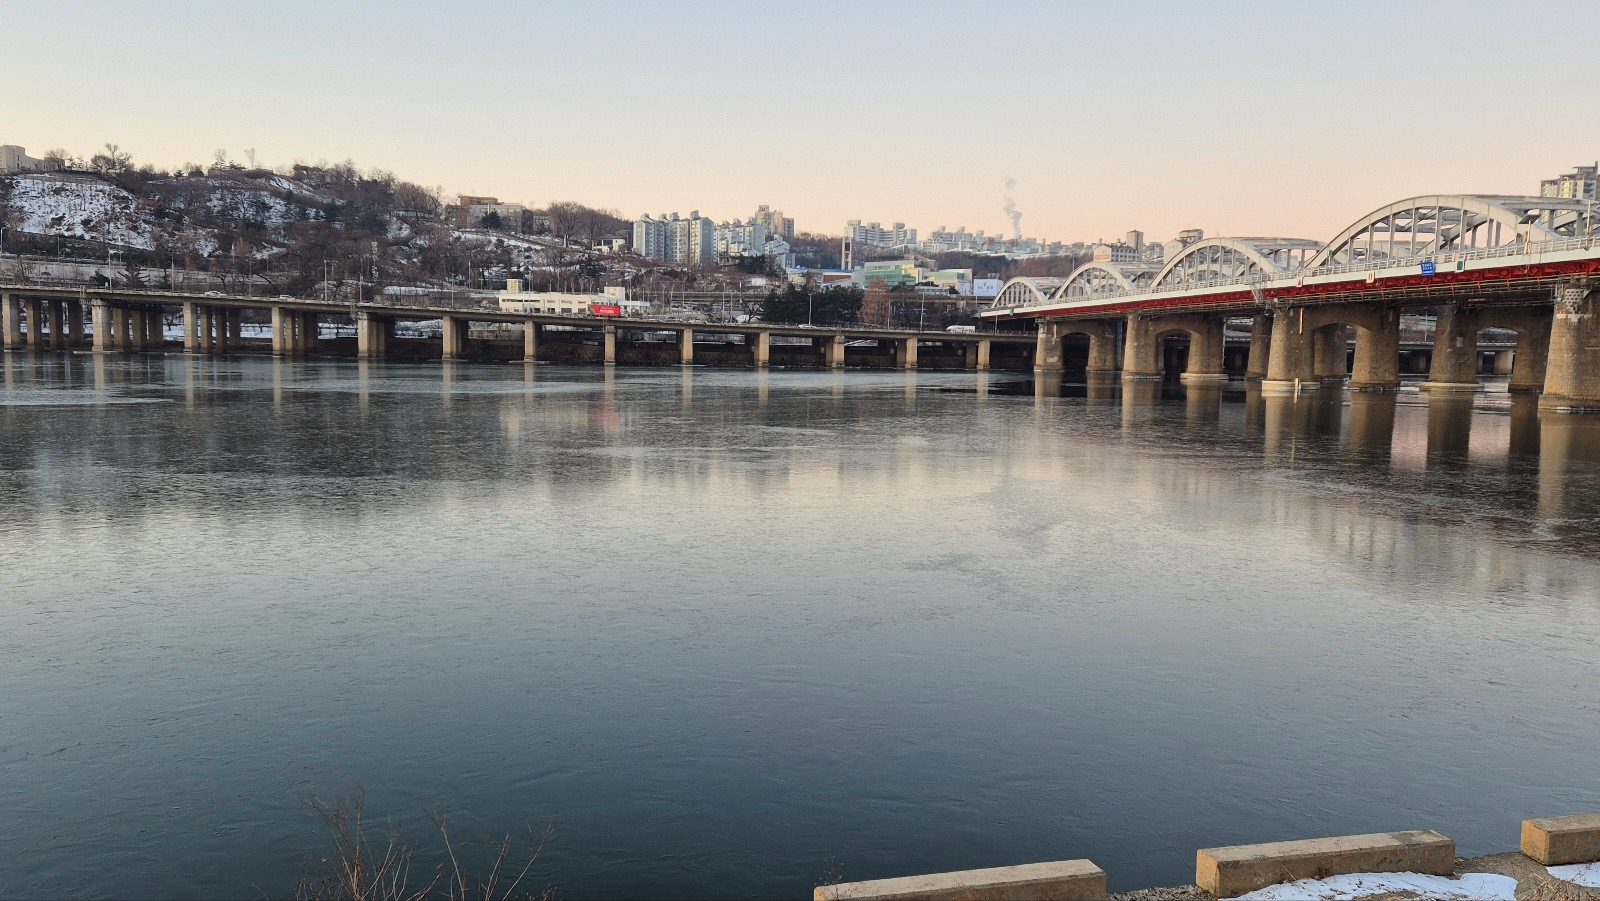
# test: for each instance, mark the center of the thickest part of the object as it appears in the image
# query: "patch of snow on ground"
(1470, 887)
(78, 208)
(1585, 874)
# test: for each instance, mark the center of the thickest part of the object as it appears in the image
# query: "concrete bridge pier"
(1260, 346)
(609, 340)
(453, 337)
(686, 347)
(75, 332)
(58, 324)
(833, 352)
(119, 329)
(35, 336)
(977, 354)
(1142, 356)
(104, 337)
(1572, 378)
(530, 342)
(1455, 351)
(372, 335)
(761, 349)
(905, 353)
(10, 322)
(138, 330)
(1308, 347)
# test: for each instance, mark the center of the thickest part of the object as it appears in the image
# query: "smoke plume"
(1012, 213)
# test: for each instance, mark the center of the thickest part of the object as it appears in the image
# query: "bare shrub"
(362, 868)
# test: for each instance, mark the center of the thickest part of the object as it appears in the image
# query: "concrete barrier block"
(1068, 880)
(1562, 840)
(1226, 872)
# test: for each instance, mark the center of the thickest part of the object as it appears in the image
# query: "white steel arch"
(1022, 290)
(1232, 260)
(1098, 278)
(1427, 224)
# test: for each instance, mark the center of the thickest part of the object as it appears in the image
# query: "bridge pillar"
(138, 331)
(1455, 351)
(35, 337)
(1260, 346)
(372, 336)
(452, 338)
(1205, 352)
(281, 345)
(1102, 348)
(1047, 356)
(1141, 354)
(74, 323)
(686, 346)
(1572, 378)
(1531, 359)
(58, 325)
(833, 352)
(120, 318)
(1330, 347)
(10, 321)
(530, 342)
(104, 339)
(1290, 363)
(156, 328)
(905, 354)
(762, 349)
(305, 333)
(191, 327)
(1377, 361)
(610, 340)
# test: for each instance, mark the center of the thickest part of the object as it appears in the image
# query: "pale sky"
(1286, 118)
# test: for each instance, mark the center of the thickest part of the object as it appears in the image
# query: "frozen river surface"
(726, 633)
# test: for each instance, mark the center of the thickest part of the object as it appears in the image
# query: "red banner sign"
(604, 309)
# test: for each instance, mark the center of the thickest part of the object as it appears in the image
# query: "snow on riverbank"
(1584, 874)
(1469, 887)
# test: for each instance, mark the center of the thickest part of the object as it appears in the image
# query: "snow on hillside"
(79, 207)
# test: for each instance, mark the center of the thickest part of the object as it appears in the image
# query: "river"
(727, 633)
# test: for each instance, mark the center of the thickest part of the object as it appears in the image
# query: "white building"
(873, 234)
(515, 300)
(690, 241)
(1578, 184)
(15, 159)
(509, 214)
(741, 239)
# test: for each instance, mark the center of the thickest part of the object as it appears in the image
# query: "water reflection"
(718, 626)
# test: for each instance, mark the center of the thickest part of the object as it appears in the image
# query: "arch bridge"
(1530, 265)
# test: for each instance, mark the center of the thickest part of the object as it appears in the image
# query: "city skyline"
(1227, 135)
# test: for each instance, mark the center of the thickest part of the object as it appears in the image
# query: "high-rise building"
(1579, 184)
(774, 221)
(741, 239)
(873, 234)
(691, 240)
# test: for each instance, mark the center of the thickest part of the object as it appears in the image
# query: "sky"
(1244, 119)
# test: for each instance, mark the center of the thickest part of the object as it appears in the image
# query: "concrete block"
(1553, 841)
(1067, 880)
(1226, 872)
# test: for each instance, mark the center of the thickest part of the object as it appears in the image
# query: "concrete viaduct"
(1528, 265)
(113, 321)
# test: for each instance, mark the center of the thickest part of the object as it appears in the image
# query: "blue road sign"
(1427, 267)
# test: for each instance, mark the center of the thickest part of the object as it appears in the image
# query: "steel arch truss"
(1445, 222)
(1102, 279)
(1025, 291)
(1231, 260)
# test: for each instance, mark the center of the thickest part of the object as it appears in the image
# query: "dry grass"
(1550, 888)
(362, 869)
